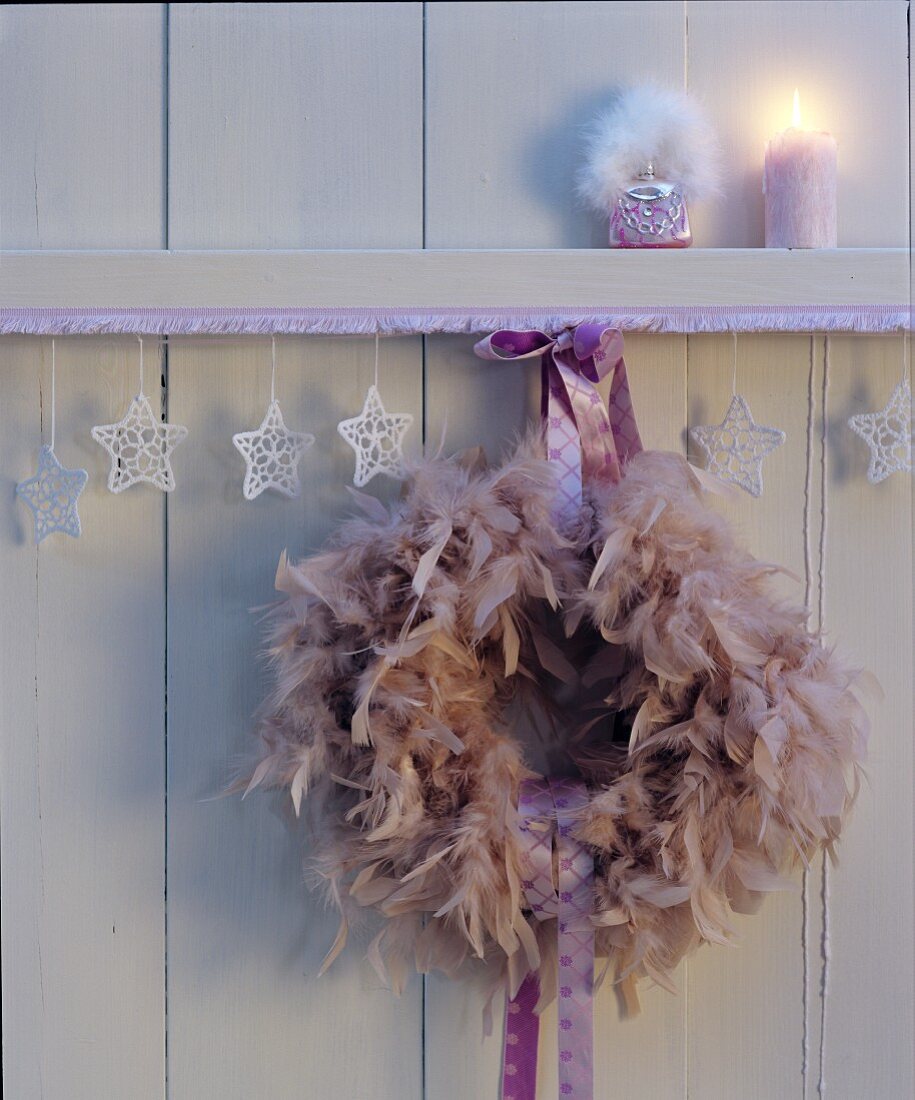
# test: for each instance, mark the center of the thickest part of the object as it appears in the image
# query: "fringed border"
(367, 321)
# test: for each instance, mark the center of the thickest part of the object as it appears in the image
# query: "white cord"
(808, 596)
(53, 391)
(825, 947)
(272, 369)
(734, 371)
(376, 360)
(140, 338)
(826, 952)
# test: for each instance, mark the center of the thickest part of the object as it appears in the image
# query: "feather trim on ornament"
(654, 126)
(721, 739)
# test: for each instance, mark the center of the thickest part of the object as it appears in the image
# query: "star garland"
(140, 445)
(735, 448)
(51, 495)
(888, 433)
(272, 452)
(376, 436)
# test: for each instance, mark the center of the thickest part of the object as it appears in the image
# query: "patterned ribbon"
(547, 808)
(584, 438)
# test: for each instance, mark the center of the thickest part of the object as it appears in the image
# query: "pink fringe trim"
(361, 321)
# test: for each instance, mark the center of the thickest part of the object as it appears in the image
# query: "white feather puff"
(667, 128)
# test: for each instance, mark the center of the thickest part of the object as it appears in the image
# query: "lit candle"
(799, 183)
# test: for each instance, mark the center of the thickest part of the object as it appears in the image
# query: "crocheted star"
(52, 495)
(140, 446)
(888, 433)
(735, 448)
(377, 438)
(272, 453)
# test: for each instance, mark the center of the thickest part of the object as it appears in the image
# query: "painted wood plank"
(502, 122)
(246, 937)
(81, 698)
(508, 89)
(646, 1055)
(868, 609)
(469, 402)
(312, 114)
(21, 871)
(342, 85)
(483, 282)
(82, 773)
(849, 61)
(82, 126)
(745, 1004)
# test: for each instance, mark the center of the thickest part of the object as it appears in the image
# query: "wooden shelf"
(685, 290)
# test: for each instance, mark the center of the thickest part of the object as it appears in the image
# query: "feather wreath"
(721, 740)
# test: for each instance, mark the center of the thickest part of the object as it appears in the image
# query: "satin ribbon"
(547, 808)
(584, 437)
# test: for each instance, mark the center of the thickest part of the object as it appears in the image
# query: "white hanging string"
(140, 338)
(825, 946)
(272, 369)
(376, 360)
(808, 595)
(734, 370)
(53, 391)
(906, 366)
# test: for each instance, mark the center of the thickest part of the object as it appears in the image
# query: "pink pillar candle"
(800, 188)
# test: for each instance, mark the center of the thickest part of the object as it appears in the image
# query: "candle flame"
(796, 111)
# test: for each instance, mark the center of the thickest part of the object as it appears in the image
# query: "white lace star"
(735, 448)
(272, 453)
(377, 438)
(888, 433)
(140, 446)
(52, 495)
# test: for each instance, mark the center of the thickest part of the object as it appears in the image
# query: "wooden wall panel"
(508, 89)
(471, 401)
(739, 1046)
(868, 610)
(81, 676)
(849, 62)
(247, 1012)
(342, 85)
(296, 125)
(82, 126)
(394, 125)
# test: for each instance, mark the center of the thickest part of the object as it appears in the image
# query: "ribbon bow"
(584, 437)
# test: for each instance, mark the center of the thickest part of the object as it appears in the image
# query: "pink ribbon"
(547, 808)
(584, 437)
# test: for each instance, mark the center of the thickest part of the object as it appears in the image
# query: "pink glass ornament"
(650, 214)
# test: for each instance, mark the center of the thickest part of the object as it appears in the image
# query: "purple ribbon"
(548, 808)
(584, 437)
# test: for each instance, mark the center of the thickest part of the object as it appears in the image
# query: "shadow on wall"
(552, 159)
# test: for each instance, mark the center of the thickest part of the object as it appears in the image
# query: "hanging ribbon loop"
(584, 437)
(547, 810)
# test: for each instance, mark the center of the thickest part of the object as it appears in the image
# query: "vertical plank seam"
(821, 603)
(686, 45)
(686, 1006)
(686, 441)
(686, 373)
(808, 595)
(166, 95)
(41, 875)
(423, 1087)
